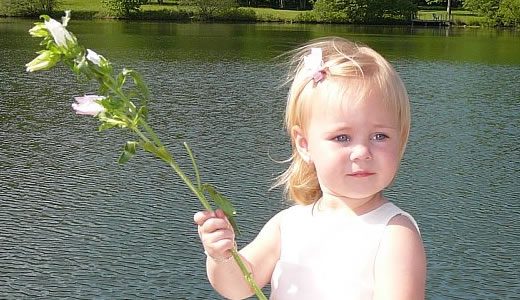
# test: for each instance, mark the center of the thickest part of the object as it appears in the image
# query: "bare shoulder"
(400, 268)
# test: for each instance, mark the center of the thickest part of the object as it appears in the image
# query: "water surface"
(74, 224)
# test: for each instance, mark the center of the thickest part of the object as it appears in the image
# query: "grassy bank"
(458, 17)
(171, 11)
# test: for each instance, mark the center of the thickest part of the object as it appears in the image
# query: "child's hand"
(216, 234)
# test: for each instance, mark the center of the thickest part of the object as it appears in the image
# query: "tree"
(363, 11)
(509, 12)
(454, 3)
(498, 12)
(488, 8)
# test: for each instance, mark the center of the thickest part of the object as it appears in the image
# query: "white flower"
(93, 57)
(60, 35)
(88, 105)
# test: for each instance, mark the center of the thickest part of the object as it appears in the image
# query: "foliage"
(210, 9)
(488, 8)
(165, 14)
(498, 12)
(444, 3)
(363, 11)
(28, 7)
(509, 12)
(282, 4)
(307, 17)
(237, 14)
(123, 7)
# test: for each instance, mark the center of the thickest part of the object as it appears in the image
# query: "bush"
(236, 14)
(307, 17)
(509, 12)
(364, 11)
(210, 9)
(123, 8)
(163, 14)
(28, 7)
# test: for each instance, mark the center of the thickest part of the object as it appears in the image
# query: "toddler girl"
(348, 116)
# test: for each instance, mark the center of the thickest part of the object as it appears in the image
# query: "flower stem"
(247, 275)
(152, 133)
(200, 195)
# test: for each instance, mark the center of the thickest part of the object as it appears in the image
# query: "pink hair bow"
(313, 64)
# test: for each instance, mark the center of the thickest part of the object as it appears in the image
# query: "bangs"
(337, 92)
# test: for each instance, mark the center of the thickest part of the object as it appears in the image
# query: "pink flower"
(88, 105)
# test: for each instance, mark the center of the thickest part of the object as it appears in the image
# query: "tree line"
(497, 12)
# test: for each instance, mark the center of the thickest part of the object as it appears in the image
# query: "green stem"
(238, 259)
(141, 135)
(247, 275)
(173, 164)
(197, 191)
(194, 164)
(152, 133)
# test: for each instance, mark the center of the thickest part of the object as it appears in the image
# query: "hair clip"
(313, 64)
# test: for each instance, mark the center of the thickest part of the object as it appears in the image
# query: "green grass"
(81, 5)
(95, 8)
(459, 17)
(269, 14)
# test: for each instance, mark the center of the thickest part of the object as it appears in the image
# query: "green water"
(74, 224)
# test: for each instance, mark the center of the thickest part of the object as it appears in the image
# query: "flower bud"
(39, 30)
(46, 60)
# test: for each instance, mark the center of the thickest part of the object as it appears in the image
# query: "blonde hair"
(350, 69)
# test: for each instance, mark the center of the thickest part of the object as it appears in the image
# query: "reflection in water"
(77, 225)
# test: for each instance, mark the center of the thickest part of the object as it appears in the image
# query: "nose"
(360, 152)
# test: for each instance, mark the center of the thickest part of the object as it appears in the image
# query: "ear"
(301, 143)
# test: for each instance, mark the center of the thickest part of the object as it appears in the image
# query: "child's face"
(355, 148)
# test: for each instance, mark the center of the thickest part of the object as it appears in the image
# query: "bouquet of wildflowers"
(119, 104)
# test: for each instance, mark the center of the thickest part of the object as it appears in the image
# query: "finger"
(214, 224)
(200, 217)
(221, 247)
(220, 213)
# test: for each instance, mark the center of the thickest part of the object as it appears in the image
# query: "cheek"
(389, 153)
(330, 161)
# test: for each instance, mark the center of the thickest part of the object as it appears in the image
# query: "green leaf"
(139, 83)
(120, 80)
(143, 112)
(128, 152)
(148, 146)
(194, 164)
(105, 126)
(163, 153)
(224, 204)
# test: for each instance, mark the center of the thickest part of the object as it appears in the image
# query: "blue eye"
(342, 138)
(380, 137)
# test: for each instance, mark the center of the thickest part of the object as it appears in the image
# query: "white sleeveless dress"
(324, 257)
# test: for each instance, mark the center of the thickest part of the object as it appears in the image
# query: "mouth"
(361, 174)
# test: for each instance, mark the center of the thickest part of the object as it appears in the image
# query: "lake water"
(75, 224)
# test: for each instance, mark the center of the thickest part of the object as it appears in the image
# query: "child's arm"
(260, 255)
(400, 268)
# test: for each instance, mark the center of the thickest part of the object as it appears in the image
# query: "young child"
(348, 116)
